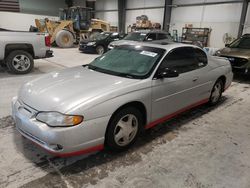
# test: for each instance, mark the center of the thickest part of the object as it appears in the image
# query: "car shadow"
(241, 78)
(87, 52)
(100, 163)
(5, 73)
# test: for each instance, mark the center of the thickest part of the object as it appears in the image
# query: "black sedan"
(98, 42)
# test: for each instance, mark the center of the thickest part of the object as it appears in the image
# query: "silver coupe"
(108, 102)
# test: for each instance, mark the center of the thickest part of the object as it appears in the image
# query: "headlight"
(218, 53)
(91, 44)
(56, 119)
(111, 46)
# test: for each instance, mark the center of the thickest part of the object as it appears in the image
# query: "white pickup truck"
(18, 49)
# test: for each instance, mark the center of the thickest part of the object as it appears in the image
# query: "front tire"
(124, 128)
(100, 49)
(216, 92)
(64, 39)
(20, 62)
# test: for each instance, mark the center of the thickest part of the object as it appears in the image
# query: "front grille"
(26, 110)
(236, 62)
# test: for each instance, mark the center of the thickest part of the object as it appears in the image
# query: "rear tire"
(19, 62)
(64, 39)
(216, 92)
(124, 128)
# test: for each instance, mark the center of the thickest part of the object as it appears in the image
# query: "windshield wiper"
(108, 72)
(126, 75)
(90, 67)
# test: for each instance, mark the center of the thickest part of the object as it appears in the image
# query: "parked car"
(143, 36)
(98, 43)
(111, 100)
(18, 49)
(238, 53)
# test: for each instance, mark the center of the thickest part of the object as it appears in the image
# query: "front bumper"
(238, 64)
(111, 47)
(85, 48)
(84, 138)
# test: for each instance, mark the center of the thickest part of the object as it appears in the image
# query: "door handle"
(195, 79)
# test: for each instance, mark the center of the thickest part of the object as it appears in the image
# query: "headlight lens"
(217, 53)
(111, 46)
(91, 44)
(56, 119)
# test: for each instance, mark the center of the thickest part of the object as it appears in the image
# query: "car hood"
(62, 91)
(235, 52)
(85, 41)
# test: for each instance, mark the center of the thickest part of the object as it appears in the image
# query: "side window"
(151, 36)
(201, 57)
(181, 59)
(162, 36)
(114, 36)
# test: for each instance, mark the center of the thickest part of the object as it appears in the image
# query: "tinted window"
(114, 36)
(135, 36)
(152, 36)
(243, 42)
(201, 57)
(99, 36)
(162, 36)
(184, 59)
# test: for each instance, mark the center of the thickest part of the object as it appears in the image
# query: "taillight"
(47, 41)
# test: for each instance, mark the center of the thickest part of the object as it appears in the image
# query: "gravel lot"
(207, 147)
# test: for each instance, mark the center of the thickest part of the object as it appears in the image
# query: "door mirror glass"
(167, 73)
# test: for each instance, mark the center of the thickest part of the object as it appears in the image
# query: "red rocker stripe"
(154, 123)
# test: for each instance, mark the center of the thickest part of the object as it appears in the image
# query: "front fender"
(108, 107)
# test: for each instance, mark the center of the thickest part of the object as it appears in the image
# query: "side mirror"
(167, 73)
(149, 39)
(227, 45)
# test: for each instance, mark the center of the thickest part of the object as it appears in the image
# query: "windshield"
(128, 61)
(135, 36)
(243, 43)
(99, 36)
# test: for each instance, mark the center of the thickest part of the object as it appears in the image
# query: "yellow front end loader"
(75, 23)
(61, 32)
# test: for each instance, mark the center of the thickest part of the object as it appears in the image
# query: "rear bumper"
(49, 53)
(229, 79)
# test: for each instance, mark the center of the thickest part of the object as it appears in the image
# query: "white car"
(122, 92)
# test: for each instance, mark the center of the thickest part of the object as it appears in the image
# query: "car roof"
(150, 31)
(168, 46)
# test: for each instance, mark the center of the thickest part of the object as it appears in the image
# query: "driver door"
(173, 95)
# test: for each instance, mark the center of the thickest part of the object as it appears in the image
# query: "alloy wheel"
(100, 50)
(126, 130)
(21, 62)
(216, 93)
